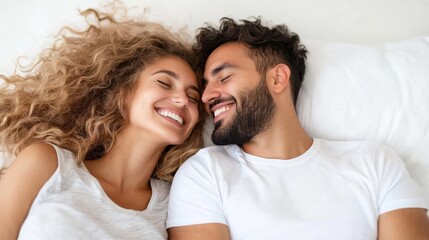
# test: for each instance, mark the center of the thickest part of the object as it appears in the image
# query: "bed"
(368, 65)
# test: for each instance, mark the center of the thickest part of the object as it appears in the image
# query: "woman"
(99, 126)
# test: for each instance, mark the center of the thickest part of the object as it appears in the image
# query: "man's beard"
(252, 117)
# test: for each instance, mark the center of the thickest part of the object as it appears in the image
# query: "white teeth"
(171, 115)
(221, 110)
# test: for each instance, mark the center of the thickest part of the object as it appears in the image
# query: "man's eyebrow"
(221, 67)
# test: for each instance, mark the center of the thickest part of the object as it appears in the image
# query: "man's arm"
(210, 231)
(404, 224)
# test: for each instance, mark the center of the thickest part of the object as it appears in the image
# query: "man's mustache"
(221, 100)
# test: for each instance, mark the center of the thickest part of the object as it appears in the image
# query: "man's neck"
(282, 140)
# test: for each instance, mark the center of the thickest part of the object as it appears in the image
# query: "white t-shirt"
(73, 205)
(335, 190)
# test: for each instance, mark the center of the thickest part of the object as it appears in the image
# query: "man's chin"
(218, 137)
(219, 142)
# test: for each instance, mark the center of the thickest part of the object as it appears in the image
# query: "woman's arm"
(20, 184)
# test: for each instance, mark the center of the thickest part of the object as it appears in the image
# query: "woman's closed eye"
(164, 84)
(194, 98)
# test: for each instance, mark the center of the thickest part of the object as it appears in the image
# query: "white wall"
(25, 25)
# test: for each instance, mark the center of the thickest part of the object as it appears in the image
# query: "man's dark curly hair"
(267, 46)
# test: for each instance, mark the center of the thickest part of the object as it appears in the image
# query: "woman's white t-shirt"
(73, 205)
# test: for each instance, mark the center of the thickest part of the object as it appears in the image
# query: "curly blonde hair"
(74, 95)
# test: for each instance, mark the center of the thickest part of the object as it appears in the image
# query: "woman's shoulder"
(41, 160)
(24, 178)
(40, 156)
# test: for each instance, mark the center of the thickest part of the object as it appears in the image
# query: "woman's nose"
(180, 99)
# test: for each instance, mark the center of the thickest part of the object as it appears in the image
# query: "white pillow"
(376, 93)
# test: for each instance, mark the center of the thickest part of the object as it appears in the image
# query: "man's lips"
(218, 103)
(220, 106)
(221, 110)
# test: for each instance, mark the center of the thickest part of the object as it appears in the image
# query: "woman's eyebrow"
(168, 72)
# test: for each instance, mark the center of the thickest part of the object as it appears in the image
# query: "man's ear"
(279, 78)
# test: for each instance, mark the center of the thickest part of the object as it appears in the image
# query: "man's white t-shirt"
(73, 205)
(335, 190)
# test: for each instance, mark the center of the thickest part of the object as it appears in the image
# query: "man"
(271, 180)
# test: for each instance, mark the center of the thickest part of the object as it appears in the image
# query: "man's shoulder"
(358, 151)
(355, 146)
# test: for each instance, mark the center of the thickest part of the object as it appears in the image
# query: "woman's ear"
(279, 78)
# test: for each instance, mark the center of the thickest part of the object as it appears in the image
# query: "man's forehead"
(224, 57)
(226, 50)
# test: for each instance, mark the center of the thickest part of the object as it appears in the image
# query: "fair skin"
(228, 70)
(165, 87)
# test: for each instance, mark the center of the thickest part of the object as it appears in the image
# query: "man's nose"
(210, 93)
